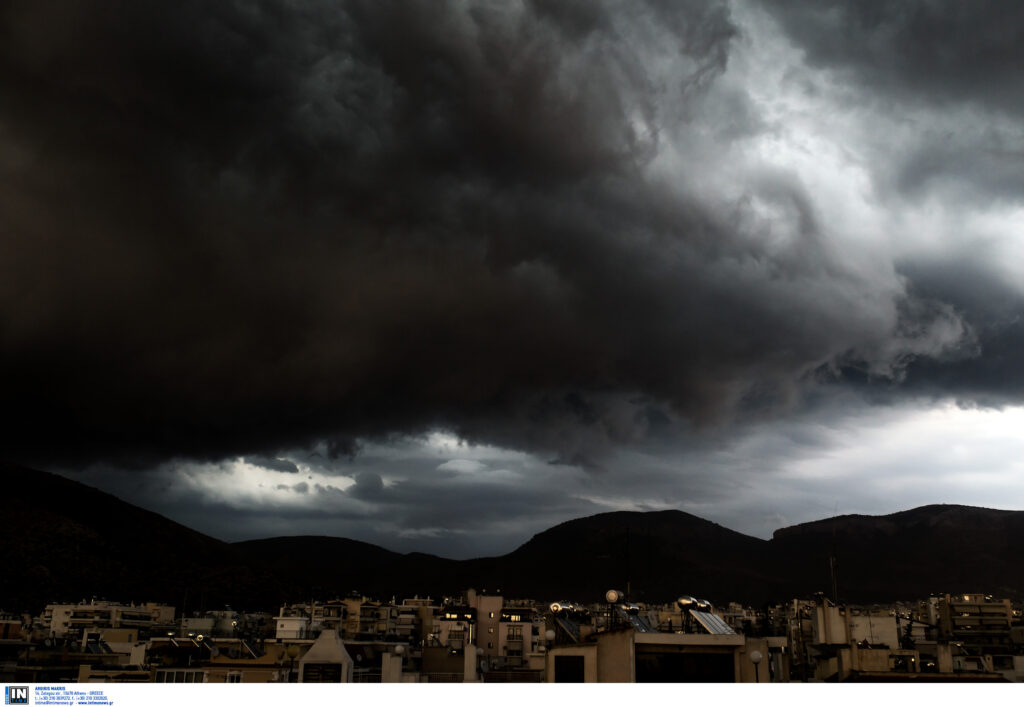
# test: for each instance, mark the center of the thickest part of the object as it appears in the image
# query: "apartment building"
(975, 620)
(71, 619)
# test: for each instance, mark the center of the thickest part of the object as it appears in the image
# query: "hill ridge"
(68, 549)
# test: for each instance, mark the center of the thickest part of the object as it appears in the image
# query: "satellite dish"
(613, 596)
(549, 635)
(48, 642)
(484, 666)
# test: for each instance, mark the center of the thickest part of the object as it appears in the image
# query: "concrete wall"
(390, 667)
(488, 616)
(588, 652)
(1017, 674)
(615, 657)
(830, 625)
(944, 657)
(746, 671)
(438, 660)
(870, 659)
(876, 630)
(470, 664)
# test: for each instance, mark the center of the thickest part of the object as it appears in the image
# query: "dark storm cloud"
(232, 228)
(369, 486)
(917, 61)
(465, 504)
(937, 51)
(274, 463)
(944, 75)
(996, 312)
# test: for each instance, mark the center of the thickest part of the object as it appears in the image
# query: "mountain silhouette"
(64, 541)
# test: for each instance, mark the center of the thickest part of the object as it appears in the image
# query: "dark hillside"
(63, 541)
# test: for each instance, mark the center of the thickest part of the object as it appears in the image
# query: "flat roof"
(689, 639)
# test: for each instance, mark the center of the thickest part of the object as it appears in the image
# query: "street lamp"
(293, 652)
(755, 658)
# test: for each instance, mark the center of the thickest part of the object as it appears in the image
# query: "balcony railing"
(517, 676)
(441, 677)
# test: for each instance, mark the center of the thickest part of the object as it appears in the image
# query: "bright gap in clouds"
(240, 483)
(929, 456)
(881, 461)
(437, 493)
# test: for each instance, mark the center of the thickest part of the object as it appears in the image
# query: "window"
(1002, 662)
(490, 630)
(569, 668)
(490, 615)
(233, 677)
(322, 672)
(180, 676)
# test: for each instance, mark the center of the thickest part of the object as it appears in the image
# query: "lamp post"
(293, 652)
(755, 658)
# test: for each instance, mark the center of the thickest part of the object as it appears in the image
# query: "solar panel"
(570, 627)
(713, 623)
(640, 624)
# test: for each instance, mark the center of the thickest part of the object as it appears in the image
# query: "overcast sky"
(439, 275)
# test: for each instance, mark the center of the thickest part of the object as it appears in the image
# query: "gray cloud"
(368, 487)
(846, 456)
(941, 53)
(944, 72)
(275, 463)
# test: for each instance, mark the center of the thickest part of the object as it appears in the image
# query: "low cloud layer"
(445, 496)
